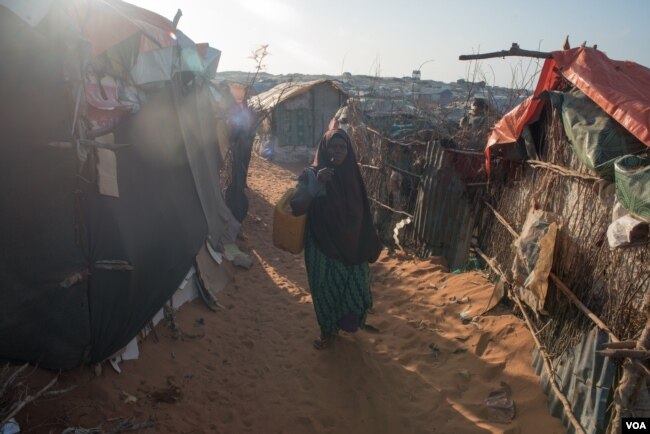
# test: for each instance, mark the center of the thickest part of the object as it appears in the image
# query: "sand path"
(253, 370)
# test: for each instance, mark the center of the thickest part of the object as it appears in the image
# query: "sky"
(391, 38)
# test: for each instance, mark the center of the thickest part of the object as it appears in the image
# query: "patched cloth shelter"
(109, 182)
(620, 88)
(570, 185)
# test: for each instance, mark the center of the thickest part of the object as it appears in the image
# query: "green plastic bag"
(596, 138)
(633, 184)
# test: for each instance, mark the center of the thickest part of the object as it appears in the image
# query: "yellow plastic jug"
(288, 230)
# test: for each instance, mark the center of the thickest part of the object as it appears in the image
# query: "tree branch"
(513, 51)
(27, 400)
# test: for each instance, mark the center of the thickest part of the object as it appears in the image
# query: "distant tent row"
(109, 177)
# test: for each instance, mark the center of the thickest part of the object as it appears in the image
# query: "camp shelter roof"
(31, 12)
(620, 88)
(267, 101)
(107, 25)
(107, 22)
(103, 23)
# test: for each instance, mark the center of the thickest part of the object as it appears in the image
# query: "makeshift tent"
(109, 177)
(620, 88)
(299, 115)
(587, 125)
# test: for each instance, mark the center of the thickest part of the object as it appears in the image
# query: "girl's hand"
(325, 174)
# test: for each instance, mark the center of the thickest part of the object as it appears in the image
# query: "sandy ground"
(252, 368)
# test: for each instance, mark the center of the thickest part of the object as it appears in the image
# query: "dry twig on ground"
(15, 393)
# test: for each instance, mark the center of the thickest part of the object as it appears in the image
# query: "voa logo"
(635, 425)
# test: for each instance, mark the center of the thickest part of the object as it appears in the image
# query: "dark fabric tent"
(81, 273)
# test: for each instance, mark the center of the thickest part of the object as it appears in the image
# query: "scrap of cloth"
(340, 292)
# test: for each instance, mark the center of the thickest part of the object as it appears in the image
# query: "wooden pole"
(502, 220)
(368, 166)
(565, 289)
(513, 51)
(547, 362)
(389, 208)
(632, 381)
(563, 171)
(635, 372)
(623, 353)
(29, 398)
(584, 309)
(490, 261)
(620, 345)
(464, 152)
(572, 297)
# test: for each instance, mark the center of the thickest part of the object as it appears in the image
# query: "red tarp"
(620, 88)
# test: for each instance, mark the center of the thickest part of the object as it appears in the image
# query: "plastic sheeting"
(585, 378)
(60, 305)
(632, 175)
(509, 128)
(32, 12)
(534, 257)
(595, 137)
(200, 137)
(620, 88)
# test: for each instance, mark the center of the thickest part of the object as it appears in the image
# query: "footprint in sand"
(462, 381)
(483, 343)
(422, 271)
(305, 384)
(493, 371)
(400, 302)
(305, 422)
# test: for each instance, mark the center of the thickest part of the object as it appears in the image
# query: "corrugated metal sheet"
(445, 210)
(585, 377)
(266, 101)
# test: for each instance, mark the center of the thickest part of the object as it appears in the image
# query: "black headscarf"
(340, 221)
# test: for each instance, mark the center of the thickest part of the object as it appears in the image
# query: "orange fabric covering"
(620, 88)
(509, 127)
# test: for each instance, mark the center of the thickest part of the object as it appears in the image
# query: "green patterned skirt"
(340, 292)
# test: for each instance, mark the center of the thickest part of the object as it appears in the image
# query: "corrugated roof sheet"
(585, 377)
(266, 101)
(445, 210)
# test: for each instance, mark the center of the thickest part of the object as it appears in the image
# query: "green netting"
(595, 137)
(633, 184)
